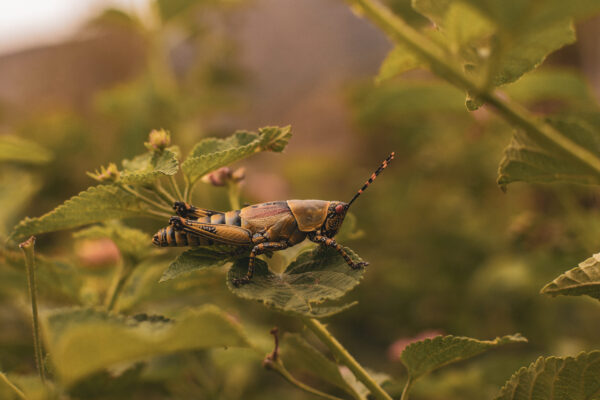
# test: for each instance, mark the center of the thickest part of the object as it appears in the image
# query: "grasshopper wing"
(189, 211)
(221, 233)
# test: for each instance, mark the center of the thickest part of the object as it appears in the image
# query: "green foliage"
(83, 341)
(315, 276)
(581, 280)
(574, 378)
(211, 154)
(146, 168)
(533, 160)
(297, 353)
(198, 258)
(15, 149)
(25, 387)
(423, 357)
(96, 204)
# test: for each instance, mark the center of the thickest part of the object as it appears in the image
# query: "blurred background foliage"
(448, 251)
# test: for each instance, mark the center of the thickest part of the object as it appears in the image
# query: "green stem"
(28, 250)
(144, 198)
(233, 190)
(346, 358)
(187, 192)
(176, 188)
(280, 368)
(18, 391)
(164, 194)
(399, 31)
(124, 272)
(406, 389)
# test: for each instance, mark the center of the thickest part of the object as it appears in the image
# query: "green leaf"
(211, 154)
(315, 276)
(198, 258)
(427, 355)
(556, 378)
(16, 189)
(25, 387)
(552, 84)
(398, 61)
(528, 51)
(146, 168)
(379, 377)
(297, 353)
(464, 26)
(84, 341)
(134, 244)
(14, 149)
(531, 160)
(581, 280)
(96, 204)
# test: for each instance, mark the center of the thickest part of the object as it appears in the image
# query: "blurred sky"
(30, 23)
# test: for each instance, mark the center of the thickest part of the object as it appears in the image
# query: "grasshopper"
(262, 227)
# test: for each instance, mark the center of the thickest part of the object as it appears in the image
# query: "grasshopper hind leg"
(257, 250)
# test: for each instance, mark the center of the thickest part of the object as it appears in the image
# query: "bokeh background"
(449, 252)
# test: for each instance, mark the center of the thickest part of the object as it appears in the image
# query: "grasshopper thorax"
(336, 212)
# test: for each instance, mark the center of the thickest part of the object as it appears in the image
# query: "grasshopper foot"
(240, 281)
(359, 265)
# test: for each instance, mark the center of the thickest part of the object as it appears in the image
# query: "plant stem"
(406, 389)
(124, 272)
(233, 190)
(399, 31)
(346, 358)
(176, 188)
(280, 368)
(163, 193)
(144, 198)
(28, 250)
(18, 391)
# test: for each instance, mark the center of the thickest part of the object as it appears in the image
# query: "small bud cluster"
(224, 175)
(158, 140)
(108, 174)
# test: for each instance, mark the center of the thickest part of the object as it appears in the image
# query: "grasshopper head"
(335, 216)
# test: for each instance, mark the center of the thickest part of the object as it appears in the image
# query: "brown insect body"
(261, 227)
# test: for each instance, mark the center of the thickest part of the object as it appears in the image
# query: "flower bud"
(224, 175)
(108, 174)
(158, 140)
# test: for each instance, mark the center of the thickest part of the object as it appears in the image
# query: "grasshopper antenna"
(383, 166)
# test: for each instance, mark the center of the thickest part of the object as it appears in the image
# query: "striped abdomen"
(227, 218)
(170, 237)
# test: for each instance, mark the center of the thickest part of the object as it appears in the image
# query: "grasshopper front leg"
(317, 238)
(257, 250)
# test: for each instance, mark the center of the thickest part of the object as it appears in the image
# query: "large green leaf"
(581, 280)
(134, 244)
(399, 60)
(83, 341)
(529, 160)
(16, 189)
(556, 378)
(427, 355)
(96, 204)
(144, 169)
(315, 276)
(25, 387)
(297, 353)
(14, 149)
(199, 258)
(210, 154)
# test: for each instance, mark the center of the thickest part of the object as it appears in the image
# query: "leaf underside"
(315, 276)
(83, 341)
(427, 355)
(199, 258)
(553, 378)
(581, 280)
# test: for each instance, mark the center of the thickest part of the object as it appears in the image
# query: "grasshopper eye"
(339, 209)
